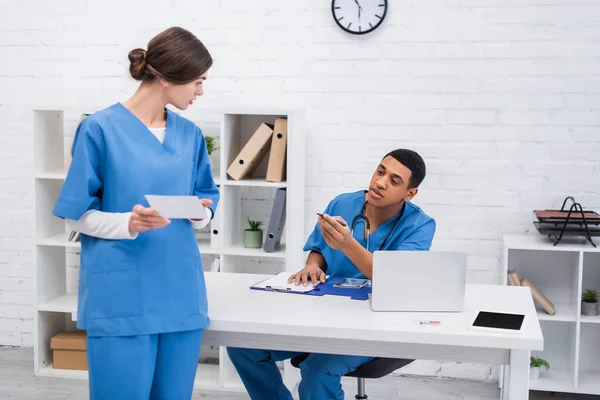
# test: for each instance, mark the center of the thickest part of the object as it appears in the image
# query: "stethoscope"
(361, 217)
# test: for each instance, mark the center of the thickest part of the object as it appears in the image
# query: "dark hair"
(175, 55)
(413, 161)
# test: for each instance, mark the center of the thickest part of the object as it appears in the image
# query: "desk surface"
(236, 309)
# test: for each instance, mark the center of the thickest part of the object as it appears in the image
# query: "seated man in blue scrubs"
(352, 227)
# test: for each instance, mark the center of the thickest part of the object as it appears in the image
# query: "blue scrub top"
(155, 283)
(415, 231)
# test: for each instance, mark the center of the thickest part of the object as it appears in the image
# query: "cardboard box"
(69, 350)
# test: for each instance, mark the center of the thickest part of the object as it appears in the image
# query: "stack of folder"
(537, 294)
(268, 139)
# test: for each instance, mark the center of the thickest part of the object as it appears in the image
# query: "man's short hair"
(413, 161)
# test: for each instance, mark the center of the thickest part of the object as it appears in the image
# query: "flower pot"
(534, 372)
(589, 309)
(253, 239)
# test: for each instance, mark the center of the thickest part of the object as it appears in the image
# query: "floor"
(17, 382)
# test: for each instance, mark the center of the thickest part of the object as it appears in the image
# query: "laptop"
(419, 281)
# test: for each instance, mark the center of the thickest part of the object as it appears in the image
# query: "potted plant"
(211, 144)
(589, 303)
(213, 155)
(534, 367)
(253, 237)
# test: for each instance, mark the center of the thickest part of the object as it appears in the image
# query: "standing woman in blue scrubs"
(383, 218)
(142, 296)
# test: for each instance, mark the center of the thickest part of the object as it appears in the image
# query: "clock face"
(359, 16)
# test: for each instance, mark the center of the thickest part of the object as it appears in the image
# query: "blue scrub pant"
(321, 373)
(161, 366)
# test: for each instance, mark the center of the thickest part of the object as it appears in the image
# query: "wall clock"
(359, 16)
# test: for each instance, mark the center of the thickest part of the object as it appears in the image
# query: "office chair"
(374, 369)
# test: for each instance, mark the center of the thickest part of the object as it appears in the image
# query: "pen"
(339, 222)
(421, 322)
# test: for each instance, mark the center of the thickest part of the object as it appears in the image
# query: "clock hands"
(359, 8)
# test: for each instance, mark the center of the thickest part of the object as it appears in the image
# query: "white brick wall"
(501, 98)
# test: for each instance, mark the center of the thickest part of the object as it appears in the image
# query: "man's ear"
(411, 194)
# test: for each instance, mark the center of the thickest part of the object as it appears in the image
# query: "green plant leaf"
(590, 296)
(539, 363)
(254, 225)
(211, 144)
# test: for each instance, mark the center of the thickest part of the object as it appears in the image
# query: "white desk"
(241, 317)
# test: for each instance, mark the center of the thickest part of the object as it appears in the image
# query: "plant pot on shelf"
(589, 309)
(535, 364)
(253, 239)
(589, 303)
(534, 373)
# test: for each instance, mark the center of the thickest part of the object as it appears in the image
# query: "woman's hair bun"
(137, 63)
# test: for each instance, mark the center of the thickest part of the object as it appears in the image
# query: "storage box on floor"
(69, 350)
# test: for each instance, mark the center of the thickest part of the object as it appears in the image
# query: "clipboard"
(278, 283)
(321, 289)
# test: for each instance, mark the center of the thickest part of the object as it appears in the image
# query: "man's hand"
(145, 218)
(205, 203)
(335, 231)
(311, 273)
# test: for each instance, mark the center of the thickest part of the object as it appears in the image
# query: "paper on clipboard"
(175, 207)
(280, 283)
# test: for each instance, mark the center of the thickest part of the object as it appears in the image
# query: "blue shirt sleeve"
(82, 188)
(420, 239)
(204, 185)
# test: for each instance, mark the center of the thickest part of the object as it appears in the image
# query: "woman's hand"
(205, 203)
(145, 218)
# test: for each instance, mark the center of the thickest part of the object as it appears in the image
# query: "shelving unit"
(56, 306)
(571, 341)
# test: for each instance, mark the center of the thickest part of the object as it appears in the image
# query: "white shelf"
(51, 372)
(53, 175)
(563, 312)
(553, 380)
(59, 240)
(589, 382)
(254, 182)
(207, 376)
(590, 320)
(540, 242)
(562, 273)
(239, 250)
(61, 175)
(204, 247)
(66, 303)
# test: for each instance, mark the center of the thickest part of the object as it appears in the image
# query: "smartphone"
(352, 283)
